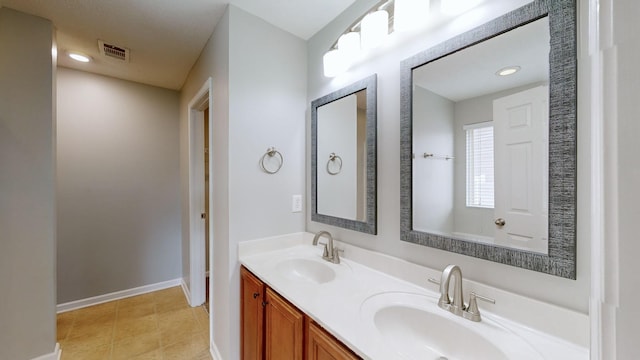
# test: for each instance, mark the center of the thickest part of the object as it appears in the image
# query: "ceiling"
(165, 37)
(471, 72)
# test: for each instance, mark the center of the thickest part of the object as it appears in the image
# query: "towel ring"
(333, 157)
(271, 152)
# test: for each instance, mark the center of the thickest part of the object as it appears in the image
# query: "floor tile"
(126, 328)
(177, 326)
(137, 345)
(170, 304)
(155, 326)
(64, 323)
(132, 311)
(153, 355)
(94, 353)
(87, 337)
(95, 314)
(134, 301)
(202, 316)
(190, 348)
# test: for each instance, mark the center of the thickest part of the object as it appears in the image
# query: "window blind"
(480, 173)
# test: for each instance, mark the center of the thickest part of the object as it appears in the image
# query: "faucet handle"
(325, 251)
(444, 301)
(336, 257)
(483, 298)
(472, 312)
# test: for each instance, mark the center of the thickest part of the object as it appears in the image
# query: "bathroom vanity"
(273, 328)
(297, 305)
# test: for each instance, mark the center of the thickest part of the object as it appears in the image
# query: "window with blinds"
(480, 165)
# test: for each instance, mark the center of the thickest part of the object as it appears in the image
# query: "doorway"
(200, 184)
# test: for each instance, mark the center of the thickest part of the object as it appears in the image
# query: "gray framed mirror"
(488, 141)
(343, 157)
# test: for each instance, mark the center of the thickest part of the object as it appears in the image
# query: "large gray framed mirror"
(343, 157)
(488, 141)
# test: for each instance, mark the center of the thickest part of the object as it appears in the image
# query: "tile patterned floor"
(155, 326)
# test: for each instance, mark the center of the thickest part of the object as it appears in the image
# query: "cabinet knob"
(255, 295)
(265, 303)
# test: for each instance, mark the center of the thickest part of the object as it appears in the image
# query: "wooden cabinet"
(322, 346)
(284, 329)
(274, 329)
(251, 316)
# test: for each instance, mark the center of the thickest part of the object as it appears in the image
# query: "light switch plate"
(296, 203)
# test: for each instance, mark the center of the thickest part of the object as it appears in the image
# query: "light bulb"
(457, 7)
(409, 14)
(349, 45)
(333, 62)
(508, 71)
(374, 29)
(79, 57)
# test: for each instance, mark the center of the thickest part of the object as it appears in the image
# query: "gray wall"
(573, 294)
(213, 62)
(118, 185)
(433, 178)
(27, 190)
(259, 100)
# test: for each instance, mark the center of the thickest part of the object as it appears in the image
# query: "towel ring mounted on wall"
(334, 158)
(271, 152)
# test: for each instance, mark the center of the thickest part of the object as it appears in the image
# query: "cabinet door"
(323, 346)
(252, 316)
(284, 329)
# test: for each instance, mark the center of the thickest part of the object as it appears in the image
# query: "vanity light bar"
(457, 7)
(386, 17)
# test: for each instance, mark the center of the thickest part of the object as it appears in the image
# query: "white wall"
(471, 220)
(27, 187)
(573, 294)
(118, 185)
(433, 177)
(620, 45)
(361, 187)
(259, 100)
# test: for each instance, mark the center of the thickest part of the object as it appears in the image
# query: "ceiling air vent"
(113, 51)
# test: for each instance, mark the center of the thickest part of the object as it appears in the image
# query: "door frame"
(197, 256)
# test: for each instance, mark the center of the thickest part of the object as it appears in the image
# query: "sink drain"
(442, 358)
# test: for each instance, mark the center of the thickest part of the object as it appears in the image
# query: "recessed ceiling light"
(508, 71)
(79, 57)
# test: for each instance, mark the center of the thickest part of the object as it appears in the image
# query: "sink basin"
(416, 328)
(306, 270)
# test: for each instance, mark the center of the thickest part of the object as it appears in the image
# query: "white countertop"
(336, 305)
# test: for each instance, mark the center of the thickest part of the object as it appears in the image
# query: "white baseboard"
(215, 353)
(185, 289)
(78, 304)
(55, 355)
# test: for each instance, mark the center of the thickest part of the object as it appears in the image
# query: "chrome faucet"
(457, 305)
(330, 253)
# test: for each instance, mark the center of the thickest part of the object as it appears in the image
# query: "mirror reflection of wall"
(341, 166)
(480, 141)
(343, 157)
